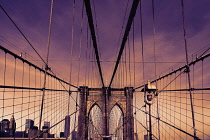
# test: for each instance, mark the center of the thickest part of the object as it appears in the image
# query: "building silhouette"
(12, 126)
(8, 129)
(61, 134)
(74, 135)
(45, 132)
(33, 132)
(67, 127)
(19, 134)
(29, 125)
(5, 128)
(48, 125)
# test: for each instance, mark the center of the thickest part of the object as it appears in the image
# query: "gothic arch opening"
(116, 123)
(95, 123)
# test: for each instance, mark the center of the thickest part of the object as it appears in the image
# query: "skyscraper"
(45, 132)
(29, 125)
(67, 127)
(12, 126)
(5, 128)
(74, 135)
(33, 132)
(48, 125)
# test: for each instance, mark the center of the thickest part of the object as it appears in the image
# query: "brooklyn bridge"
(105, 70)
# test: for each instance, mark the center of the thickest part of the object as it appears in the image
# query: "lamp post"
(149, 93)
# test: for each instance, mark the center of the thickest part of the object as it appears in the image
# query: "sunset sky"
(32, 17)
(70, 31)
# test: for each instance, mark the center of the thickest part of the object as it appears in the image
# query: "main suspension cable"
(93, 34)
(22, 34)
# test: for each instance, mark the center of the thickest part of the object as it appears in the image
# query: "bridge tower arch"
(106, 99)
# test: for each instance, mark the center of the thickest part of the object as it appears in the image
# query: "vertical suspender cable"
(35, 76)
(96, 24)
(71, 53)
(142, 55)
(72, 44)
(180, 99)
(29, 84)
(154, 39)
(202, 97)
(46, 67)
(86, 54)
(120, 35)
(126, 72)
(121, 74)
(5, 69)
(186, 99)
(22, 82)
(88, 57)
(129, 61)
(126, 33)
(142, 41)
(78, 76)
(123, 71)
(175, 104)
(154, 36)
(188, 69)
(14, 88)
(134, 73)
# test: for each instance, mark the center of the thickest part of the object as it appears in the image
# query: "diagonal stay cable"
(35, 66)
(165, 122)
(145, 127)
(93, 35)
(46, 67)
(41, 70)
(54, 125)
(127, 30)
(22, 34)
(179, 69)
(30, 44)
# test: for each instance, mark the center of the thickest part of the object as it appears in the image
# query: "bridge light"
(150, 91)
(149, 97)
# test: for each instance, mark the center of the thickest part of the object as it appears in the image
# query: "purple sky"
(110, 18)
(32, 17)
